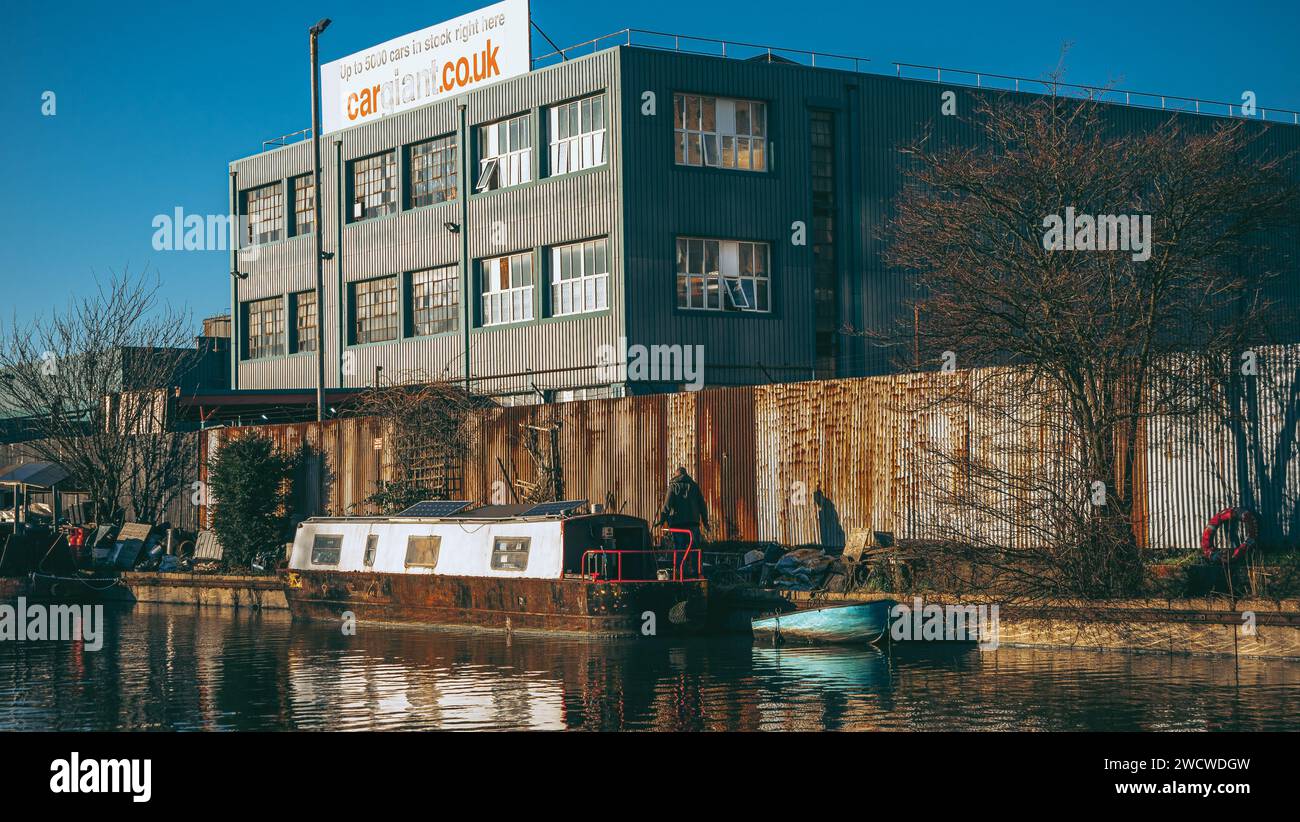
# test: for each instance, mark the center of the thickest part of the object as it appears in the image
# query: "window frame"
(528, 291)
(452, 276)
(758, 143)
(354, 304)
(437, 550)
(259, 308)
(711, 282)
(389, 194)
(499, 554)
(560, 134)
(336, 547)
(413, 168)
(273, 195)
(494, 166)
(371, 551)
(555, 280)
(296, 328)
(296, 230)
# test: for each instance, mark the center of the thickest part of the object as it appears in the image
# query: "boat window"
(422, 551)
(325, 549)
(372, 545)
(510, 554)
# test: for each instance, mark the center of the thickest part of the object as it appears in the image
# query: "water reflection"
(186, 668)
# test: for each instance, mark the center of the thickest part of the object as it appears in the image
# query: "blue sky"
(155, 99)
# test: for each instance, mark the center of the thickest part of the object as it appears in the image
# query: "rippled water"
(185, 668)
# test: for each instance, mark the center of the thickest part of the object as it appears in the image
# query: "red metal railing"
(596, 565)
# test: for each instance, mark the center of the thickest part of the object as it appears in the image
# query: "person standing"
(684, 508)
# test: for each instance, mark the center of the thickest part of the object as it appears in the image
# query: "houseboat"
(554, 567)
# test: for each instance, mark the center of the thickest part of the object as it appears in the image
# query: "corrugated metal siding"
(829, 461)
(876, 116)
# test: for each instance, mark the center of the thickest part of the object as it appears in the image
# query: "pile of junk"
(51, 556)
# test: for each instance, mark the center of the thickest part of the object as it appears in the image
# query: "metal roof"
(43, 474)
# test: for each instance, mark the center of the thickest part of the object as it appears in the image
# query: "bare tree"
(1029, 256)
(93, 382)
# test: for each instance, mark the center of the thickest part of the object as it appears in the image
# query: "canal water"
(175, 667)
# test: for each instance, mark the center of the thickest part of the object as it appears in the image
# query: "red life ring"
(1250, 528)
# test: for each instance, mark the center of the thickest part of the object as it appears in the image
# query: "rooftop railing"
(736, 50)
(731, 49)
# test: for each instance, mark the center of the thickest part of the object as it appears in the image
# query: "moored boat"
(857, 623)
(546, 568)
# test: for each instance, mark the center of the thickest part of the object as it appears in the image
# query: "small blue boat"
(857, 623)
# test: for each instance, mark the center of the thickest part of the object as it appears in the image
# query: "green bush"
(250, 481)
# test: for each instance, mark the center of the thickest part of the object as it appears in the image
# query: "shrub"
(250, 480)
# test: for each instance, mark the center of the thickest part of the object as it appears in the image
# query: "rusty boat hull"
(570, 605)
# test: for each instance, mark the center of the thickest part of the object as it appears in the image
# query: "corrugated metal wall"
(549, 211)
(829, 461)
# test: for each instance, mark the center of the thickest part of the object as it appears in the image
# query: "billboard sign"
(472, 50)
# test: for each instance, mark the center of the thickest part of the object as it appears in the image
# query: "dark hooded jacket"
(684, 507)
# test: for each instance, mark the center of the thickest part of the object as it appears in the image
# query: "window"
(709, 269)
(374, 186)
(580, 277)
(433, 171)
(508, 289)
(325, 549)
(510, 554)
(265, 328)
(304, 321)
(304, 205)
(374, 310)
(435, 301)
(578, 394)
(505, 153)
(372, 548)
(578, 135)
(720, 132)
(264, 208)
(422, 551)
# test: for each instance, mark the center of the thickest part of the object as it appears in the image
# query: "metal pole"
(467, 180)
(314, 34)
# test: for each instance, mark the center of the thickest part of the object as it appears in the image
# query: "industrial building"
(630, 192)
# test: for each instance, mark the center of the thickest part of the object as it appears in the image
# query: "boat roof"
(524, 512)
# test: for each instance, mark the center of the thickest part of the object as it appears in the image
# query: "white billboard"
(474, 49)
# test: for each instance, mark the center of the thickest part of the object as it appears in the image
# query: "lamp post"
(313, 34)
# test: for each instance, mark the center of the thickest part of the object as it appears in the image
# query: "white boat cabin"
(537, 542)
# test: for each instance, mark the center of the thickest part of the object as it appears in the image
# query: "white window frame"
(505, 304)
(720, 132)
(715, 270)
(505, 153)
(586, 286)
(577, 135)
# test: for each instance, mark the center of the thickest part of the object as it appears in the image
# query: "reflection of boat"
(858, 623)
(510, 567)
(841, 669)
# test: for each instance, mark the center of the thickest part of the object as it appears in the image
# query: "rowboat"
(857, 623)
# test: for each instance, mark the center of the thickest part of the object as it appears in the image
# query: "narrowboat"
(857, 623)
(553, 567)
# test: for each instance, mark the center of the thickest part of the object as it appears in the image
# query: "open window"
(372, 548)
(489, 174)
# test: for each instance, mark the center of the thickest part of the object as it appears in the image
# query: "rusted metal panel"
(830, 461)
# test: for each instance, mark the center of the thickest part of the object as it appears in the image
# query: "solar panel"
(436, 508)
(553, 509)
